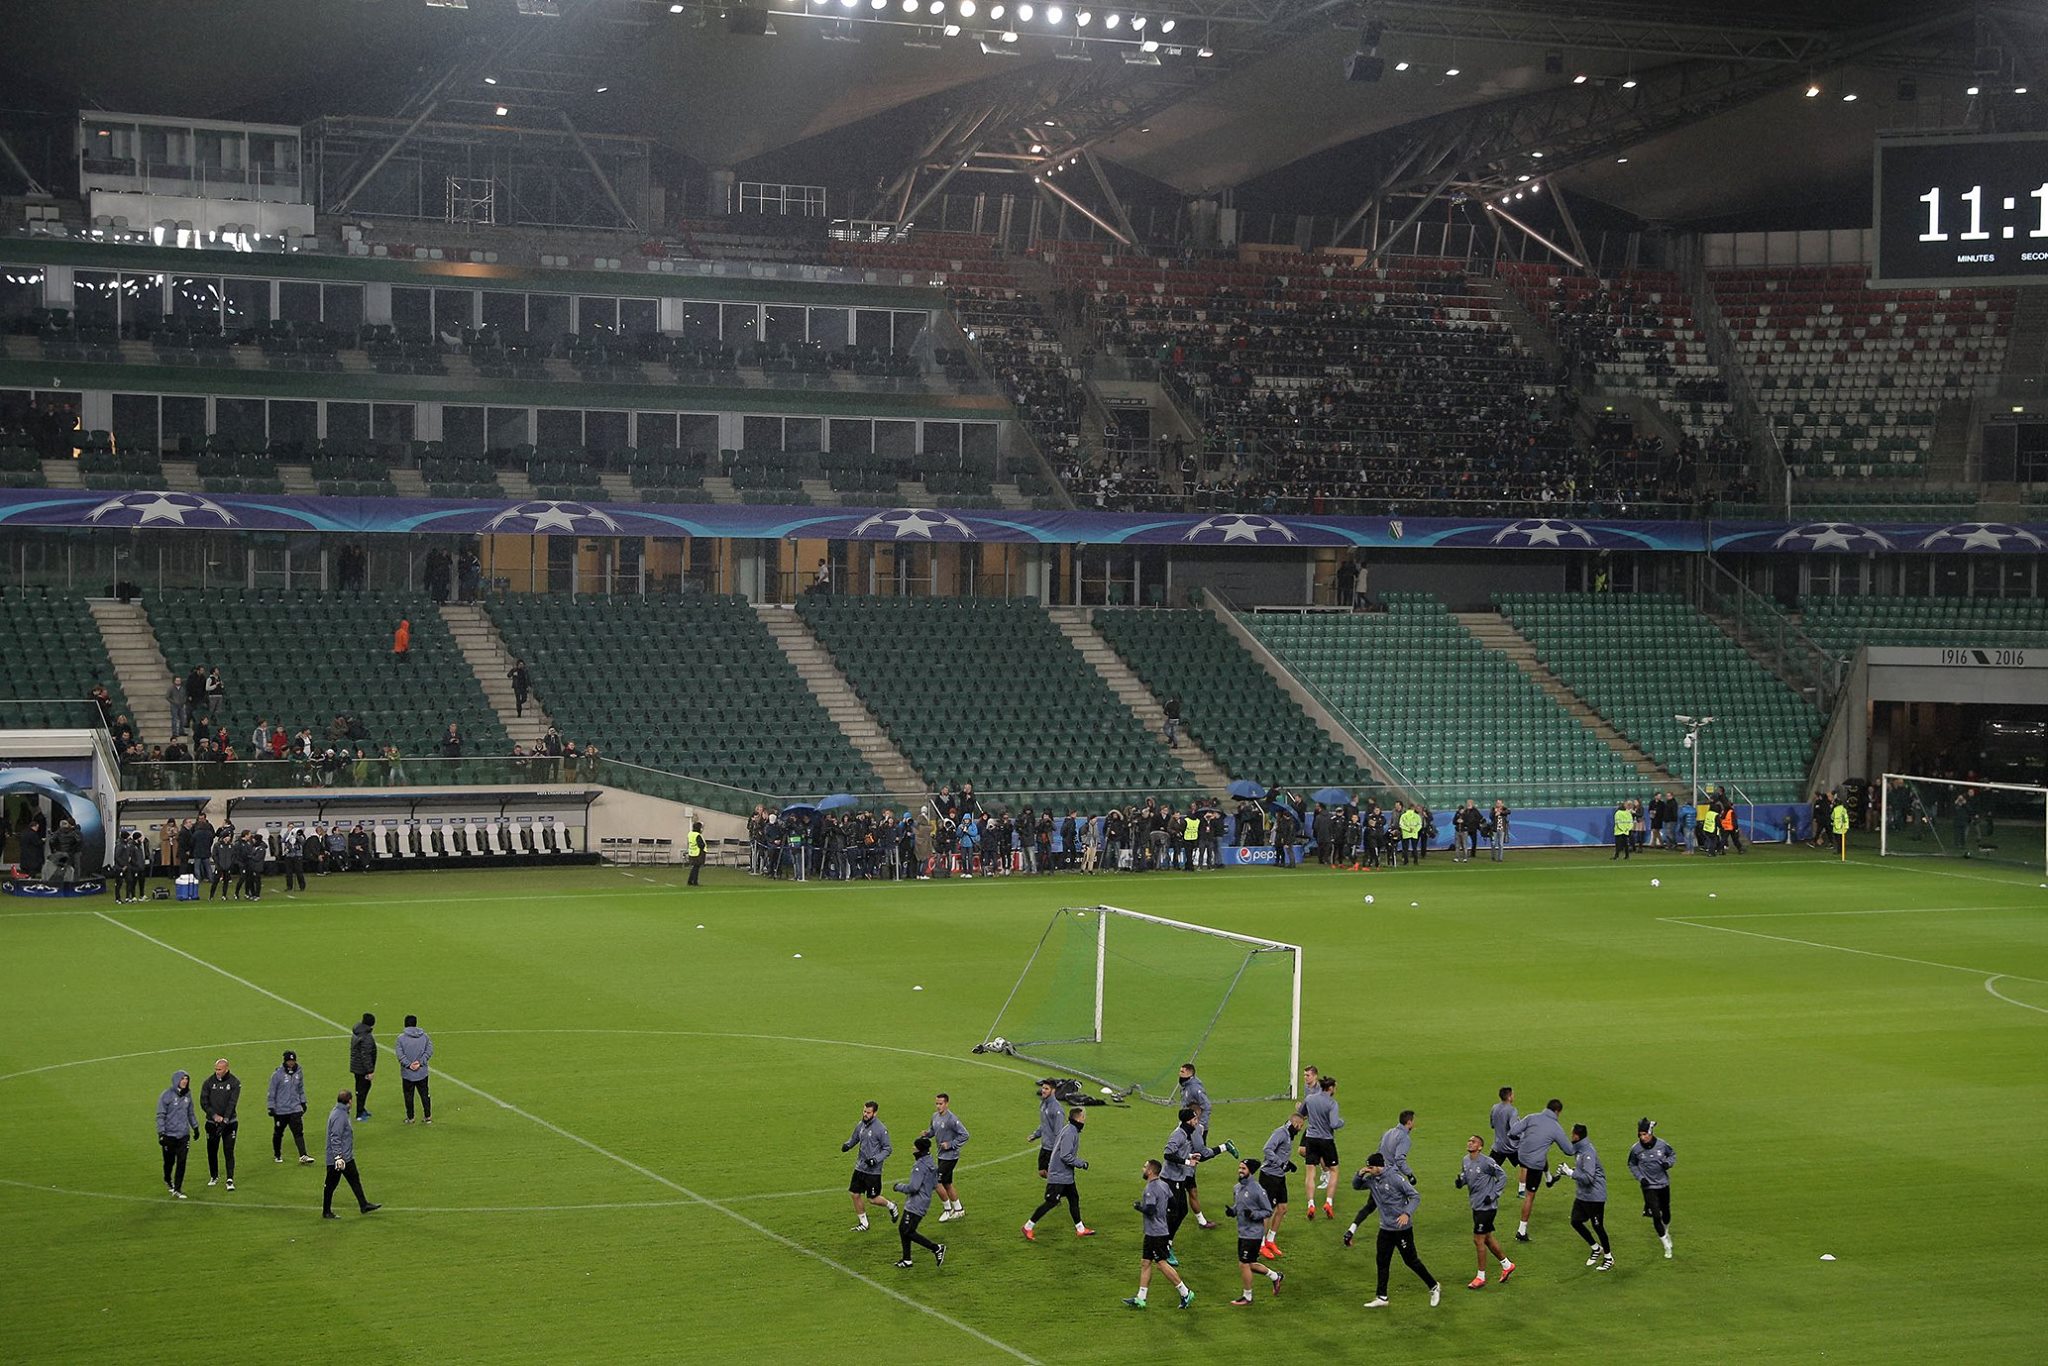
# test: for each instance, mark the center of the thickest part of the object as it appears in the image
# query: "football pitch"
(641, 1091)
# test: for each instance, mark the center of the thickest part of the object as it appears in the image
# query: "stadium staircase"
(62, 474)
(139, 665)
(1453, 719)
(991, 691)
(2026, 346)
(1232, 707)
(1199, 760)
(689, 685)
(1495, 632)
(1528, 329)
(1301, 694)
(484, 649)
(1641, 659)
(813, 664)
(300, 657)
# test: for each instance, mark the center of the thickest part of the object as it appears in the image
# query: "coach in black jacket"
(217, 1101)
(362, 1061)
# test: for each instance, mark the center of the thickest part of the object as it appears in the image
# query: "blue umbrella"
(800, 809)
(838, 801)
(1247, 789)
(1331, 796)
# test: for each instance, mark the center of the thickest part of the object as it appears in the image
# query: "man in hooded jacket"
(286, 1103)
(414, 1050)
(176, 1122)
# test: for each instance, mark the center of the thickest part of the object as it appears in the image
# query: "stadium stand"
(51, 655)
(1234, 708)
(1324, 387)
(690, 685)
(300, 658)
(1859, 375)
(991, 691)
(1454, 719)
(1640, 659)
(1842, 625)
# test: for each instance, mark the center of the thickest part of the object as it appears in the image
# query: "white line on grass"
(770, 1234)
(1894, 910)
(202, 1049)
(1862, 953)
(2023, 1005)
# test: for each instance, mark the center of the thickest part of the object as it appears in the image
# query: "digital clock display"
(1962, 210)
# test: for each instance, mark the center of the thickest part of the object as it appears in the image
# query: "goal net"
(1944, 817)
(1125, 999)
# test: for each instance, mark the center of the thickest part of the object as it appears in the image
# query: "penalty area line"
(1861, 953)
(628, 1163)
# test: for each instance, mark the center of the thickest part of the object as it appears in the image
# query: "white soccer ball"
(1107, 1092)
(796, 955)
(999, 1043)
(1713, 896)
(1368, 900)
(917, 988)
(700, 927)
(1414, 905)
(1656, 882)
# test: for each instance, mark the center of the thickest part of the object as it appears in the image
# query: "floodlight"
(966, 9)
(1138, 24)
(1166, 25)
(936, 7)
(1812, 91)
(1849, 98)
(1451, 71)
(1054, 14)
(1025, 13)
(1010, 35)
(1398, 66)
(503, 111)
(1084, 18)
(1629, 84)
(951, 30)
(1149, 45)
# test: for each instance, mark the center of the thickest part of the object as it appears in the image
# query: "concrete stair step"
(1132, 692)
(842, 705)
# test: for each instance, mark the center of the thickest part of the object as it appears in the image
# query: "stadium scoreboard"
(1962, 210)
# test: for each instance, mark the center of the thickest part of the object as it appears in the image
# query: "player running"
(1589, 1209)
(1274, 1164)
(1483, 1179)
(1252, 1206)
(1060, 1167)
(1152, 1207)
(1196, 1097)
(871, 1136)
(1319, 1143)
(948, 1136)
(1397, 1201)
(1650, 1162)
(1532, 1136)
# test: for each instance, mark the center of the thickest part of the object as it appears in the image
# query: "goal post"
(1922, 817)
(1124, 998)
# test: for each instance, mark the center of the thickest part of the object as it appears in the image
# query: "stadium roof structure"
(1669, 113)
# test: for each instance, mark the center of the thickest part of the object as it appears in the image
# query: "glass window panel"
(1951, 577)
(908, 328)
(2018, 576)
(393, 422)
(298, 301)
(639, 317)
(558, 429)
(462, 430)
(700, 324)
(596, 316)
(895, 438)
(196, 298)
(184, 420)
(506, 309)
(341, 306)
(739, 324)
(761, 433)
(654, 430)
(348, 426)
(135, 428)
(829, 327)
(699, 433)
(239, 420)
(785, 323)
(979, 440)
(96, 297)
(509, 427)
(547, 314)
(871, 327)
(293, 426)
(412, 311)
(142, 300)
(453, 311)
(853, 435)
(248, 305)
(942, 438)
(604, 431)
(802, 433)
(21, 291)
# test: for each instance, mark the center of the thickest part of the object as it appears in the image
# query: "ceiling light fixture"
(1205, 51)
(1024, 12)
(1010, 36)
(1166, 25)
(675, 9)
(490, 80)
(2019, 90)
(1629, 84)
(1138, 24)
(1084, 18)
(1149, 45)
(1398, 66)
(1621, 161)
(503, 111)
(1054, 14)
(1112, 20)
(1579, 79)
(951, 30)
(966, 9)
(1812, 92)
(1971, 91)
(1849, 98)
(1450, 71)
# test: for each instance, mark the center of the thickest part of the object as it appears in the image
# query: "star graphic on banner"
(1831, 538)
(555, 516)
(917, 524)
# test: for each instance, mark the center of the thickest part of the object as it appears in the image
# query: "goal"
(1944, 817)
(1125, 998)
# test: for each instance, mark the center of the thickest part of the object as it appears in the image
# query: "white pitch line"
(1897, 910)
(2023, 1005)
(762, 1229)
(153, 1053)
(1861, 953)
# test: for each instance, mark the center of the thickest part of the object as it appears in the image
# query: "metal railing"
(1803, 661)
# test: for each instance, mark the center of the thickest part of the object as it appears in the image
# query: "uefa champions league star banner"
(170, 510)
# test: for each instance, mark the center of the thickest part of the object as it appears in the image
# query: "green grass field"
(635, 1154)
